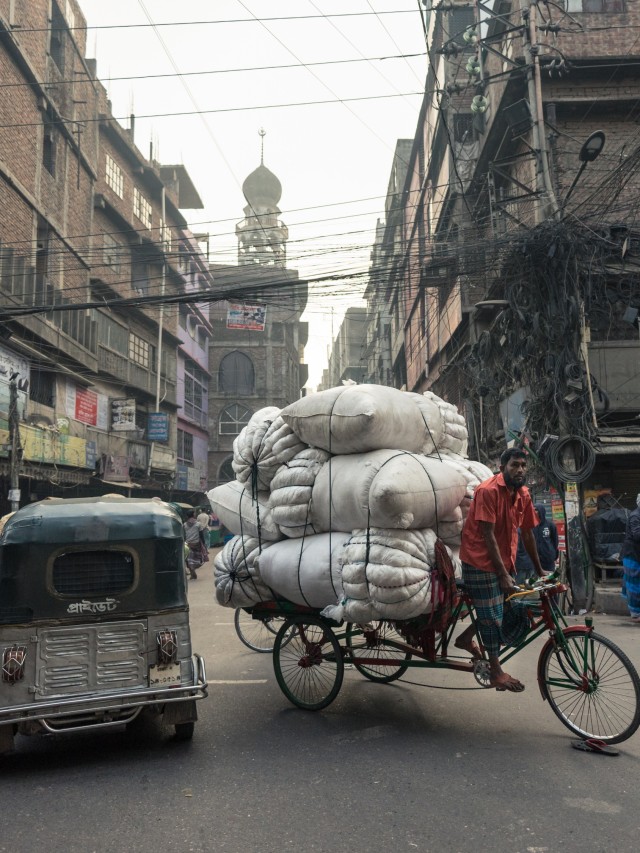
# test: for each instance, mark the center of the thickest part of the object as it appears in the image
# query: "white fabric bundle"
(306, 571)
(236, 577)
(455, 436)
(386, 574)
(449, 529)
(264, 444)
(291, 491)
(384, 488)
(359, 418)
(432, 419)
(233, 505)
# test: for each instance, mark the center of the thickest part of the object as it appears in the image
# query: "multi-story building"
(347, 360)
(256, 351)
(89, 232)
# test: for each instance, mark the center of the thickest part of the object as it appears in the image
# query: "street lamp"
(590, 151)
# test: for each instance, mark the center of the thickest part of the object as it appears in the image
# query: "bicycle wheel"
(257, 634)
(370, 641)
(592, 686)
(308, 665)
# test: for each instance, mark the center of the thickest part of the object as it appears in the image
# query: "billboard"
(249, 317)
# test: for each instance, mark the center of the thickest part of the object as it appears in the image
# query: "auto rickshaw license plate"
(164, 677)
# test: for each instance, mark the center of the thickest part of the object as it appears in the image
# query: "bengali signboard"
(115, 468)
(123, 415)
(157, 426)
(42, 445)
(249, 317)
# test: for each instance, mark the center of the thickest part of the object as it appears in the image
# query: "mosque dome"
(261, 188)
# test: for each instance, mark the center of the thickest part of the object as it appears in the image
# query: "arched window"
(236, 375)
(226, 472)
(233, 419)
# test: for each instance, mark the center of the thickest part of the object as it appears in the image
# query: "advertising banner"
(86, 407)
(249, 317)
(123, 415)
(157, 426)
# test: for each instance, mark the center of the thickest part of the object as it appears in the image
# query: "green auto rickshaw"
(94, 618)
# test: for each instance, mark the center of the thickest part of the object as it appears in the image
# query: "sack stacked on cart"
(291, 489)
(244, 513)
(237, 580)
(387, 574)
(264, 444)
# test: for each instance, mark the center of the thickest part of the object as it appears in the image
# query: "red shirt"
(497, 504)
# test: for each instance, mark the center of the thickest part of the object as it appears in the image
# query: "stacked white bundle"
(386, 574)
(366, 457)
(243, 514)
(263, 446)
(291, 489)
(238, 583)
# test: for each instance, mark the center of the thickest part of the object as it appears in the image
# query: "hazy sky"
(230, 68)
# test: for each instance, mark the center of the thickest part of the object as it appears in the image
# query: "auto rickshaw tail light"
(13, 659)
(167, 643)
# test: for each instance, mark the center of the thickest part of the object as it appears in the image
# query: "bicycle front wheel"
(592, 686)
(308, 664)
(259, 635)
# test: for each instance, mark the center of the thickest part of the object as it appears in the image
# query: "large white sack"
(306, 571)
(264, 444)
(384, 488)
(359, 418)
(432, 419)
(236, 576)
(240, 514)
(291, 491)
(455, 435)
(386, 574)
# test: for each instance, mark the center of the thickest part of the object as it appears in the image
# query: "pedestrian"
(546, 536)
(193, 540)
(203, 522)
(631, 563)
(500, 506)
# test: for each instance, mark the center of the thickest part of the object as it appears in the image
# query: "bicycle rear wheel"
(259, 635)
(592, 686)
(370, 641)
(308, 665)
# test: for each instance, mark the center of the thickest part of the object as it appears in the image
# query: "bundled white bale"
(236, 576)
(240, 514)
(263, 446)
(305, 571)
(291, 491)
(386, 574)
(449, 529)
(359, 418)
(432, 419)
(384, 488)
(455, 435)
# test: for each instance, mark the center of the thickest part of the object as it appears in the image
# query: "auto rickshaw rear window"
(93, 572)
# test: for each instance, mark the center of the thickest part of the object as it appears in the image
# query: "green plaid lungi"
(500, 623)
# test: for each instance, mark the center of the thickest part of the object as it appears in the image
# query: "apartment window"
(195, 391)
(71, 17)
(114, 177)
(111, 253)
(233, 419)
(139, 275)
(111, 334)
(226, 473)
(185, 447)
(49, 143)
(165, 236)
(58, 36)
(139, 351)
(236, 374)
(142, 208)
(463, 127)
(42, 387)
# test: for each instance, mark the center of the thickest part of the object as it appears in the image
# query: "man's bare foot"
(468, 645)
(503, 681)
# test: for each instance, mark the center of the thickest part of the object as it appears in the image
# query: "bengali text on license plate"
(164, 677)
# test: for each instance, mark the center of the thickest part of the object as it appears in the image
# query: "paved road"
(395, 767)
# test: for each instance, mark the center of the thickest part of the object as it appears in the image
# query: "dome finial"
(262, 133)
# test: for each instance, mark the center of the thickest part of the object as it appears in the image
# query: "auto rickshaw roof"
(101, 519)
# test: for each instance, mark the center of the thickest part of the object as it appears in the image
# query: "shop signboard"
(157, 426)
(123, 415)
(115, 468)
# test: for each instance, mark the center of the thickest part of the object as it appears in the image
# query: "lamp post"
(590, 151)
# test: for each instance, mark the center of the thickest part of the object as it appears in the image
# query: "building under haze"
(257, 344)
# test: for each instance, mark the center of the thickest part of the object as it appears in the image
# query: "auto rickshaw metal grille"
(93, 572)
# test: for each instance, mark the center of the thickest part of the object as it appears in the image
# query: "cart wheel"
(592, 686)
(184, 731)
(308, 663)
(259, 635)
(371, 641)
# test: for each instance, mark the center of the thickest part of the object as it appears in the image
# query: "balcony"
(135, 376)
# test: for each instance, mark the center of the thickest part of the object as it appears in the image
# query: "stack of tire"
(339, 500)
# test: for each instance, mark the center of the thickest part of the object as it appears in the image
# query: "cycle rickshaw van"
(94, 618)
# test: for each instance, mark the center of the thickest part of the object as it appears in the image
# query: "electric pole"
(15, 447)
